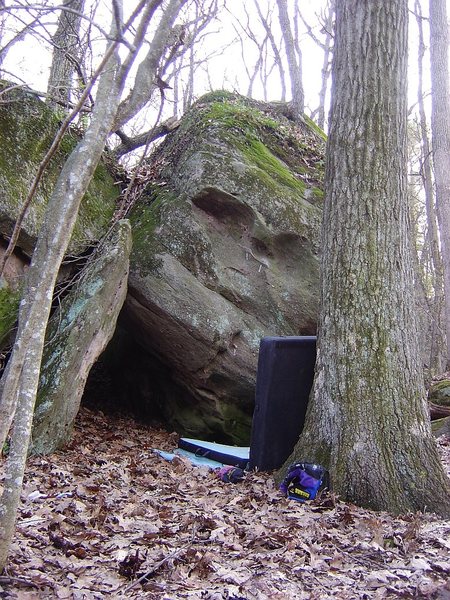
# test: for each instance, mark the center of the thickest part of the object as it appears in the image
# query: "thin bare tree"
(19, 384)
(66, 53)
(294, 60)
(432, 234)
(440, 128)
(266, 21)
(325, 42)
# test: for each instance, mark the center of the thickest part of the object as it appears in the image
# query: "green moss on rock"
(144, 224)
(27, 129)
(9, 306)
(225, 251)
(440, 393)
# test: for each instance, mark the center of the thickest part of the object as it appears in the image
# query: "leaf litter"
(108, 517)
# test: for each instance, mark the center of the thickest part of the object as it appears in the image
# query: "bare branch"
(130, 144)
(145, 78)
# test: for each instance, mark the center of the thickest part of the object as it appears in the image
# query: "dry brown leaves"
(110, 518)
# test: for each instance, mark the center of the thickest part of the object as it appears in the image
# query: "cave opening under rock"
(128, 380)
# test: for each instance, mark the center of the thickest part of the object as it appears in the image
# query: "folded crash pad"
(236, 456)
(198, 461)
(283, 384)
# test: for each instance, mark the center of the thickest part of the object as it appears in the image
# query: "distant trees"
(440, 127)
(367, 421)
(429, 260)
(325, 41)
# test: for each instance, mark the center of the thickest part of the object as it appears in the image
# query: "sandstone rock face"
(77, 334)
(225, 252)
(27, 129)
(439, 393)
(441, 427)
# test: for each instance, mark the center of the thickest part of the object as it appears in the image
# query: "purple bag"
(303, 481)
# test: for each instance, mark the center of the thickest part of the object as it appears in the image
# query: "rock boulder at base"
(225, 251)
(439, 393)
(77, 334)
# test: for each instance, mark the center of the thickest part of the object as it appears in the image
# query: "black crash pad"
(283, 384)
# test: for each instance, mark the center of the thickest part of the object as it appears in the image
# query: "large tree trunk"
(368, 421)
(440, 128)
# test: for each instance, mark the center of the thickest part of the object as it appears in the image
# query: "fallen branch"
(17, 580)
(155, 568)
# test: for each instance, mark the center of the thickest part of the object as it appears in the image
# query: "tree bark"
(367, 420)
(295, 67)
(66, 44)
(440, 129)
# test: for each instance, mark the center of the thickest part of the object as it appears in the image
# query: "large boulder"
(225, 251)
(77, 334)
(27, 130)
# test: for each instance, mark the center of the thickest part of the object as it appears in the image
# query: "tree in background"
(325, 41)
(2, 27)
(429, 260)
(294, 60)
(66, 53)
(266, 21)
(367, 420)
(440, 128)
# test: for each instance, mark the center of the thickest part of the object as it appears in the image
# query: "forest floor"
(109, 518)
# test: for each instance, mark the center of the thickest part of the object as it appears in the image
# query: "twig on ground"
(154, 568)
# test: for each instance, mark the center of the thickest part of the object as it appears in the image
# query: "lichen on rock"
(439, 393)
(76, 335)
(27, 129)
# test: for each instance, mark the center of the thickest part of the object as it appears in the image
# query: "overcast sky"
(30, 59)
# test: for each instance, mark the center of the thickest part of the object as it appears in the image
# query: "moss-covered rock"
(225, 251)
(11, 283)
(441, 427)
(9, 306)
(27, 129)
(77, 334)
(439, 393)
